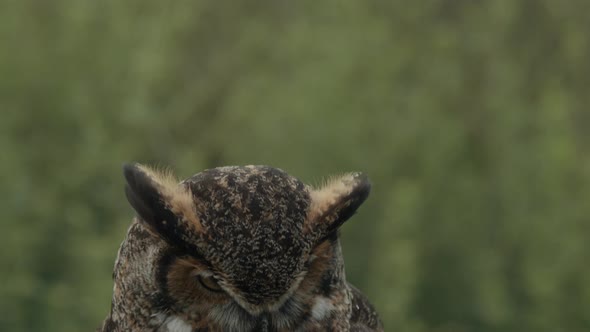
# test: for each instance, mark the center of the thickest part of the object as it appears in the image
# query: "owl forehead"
(253, 218)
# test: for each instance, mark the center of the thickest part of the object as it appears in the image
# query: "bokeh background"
(470, 117)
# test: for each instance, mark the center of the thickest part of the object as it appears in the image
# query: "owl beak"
(262, 323)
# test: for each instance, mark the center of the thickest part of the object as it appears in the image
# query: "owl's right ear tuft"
(166, 206)
(142, 193)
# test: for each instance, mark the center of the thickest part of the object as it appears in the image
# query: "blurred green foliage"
(470, 117)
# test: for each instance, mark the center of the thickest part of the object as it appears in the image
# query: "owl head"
(245, 241)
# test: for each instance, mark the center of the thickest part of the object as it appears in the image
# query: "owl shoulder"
(364, 316)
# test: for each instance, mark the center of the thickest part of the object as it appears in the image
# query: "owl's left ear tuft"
(336, 202)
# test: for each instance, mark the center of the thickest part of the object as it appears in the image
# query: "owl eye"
(210, 284)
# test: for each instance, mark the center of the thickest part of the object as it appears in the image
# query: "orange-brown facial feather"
(184, 285)
(318, 265)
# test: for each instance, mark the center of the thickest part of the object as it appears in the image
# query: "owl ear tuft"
(336, 202)
(143, 194)
(166, 206)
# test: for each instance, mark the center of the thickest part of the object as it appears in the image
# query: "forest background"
(470, 117)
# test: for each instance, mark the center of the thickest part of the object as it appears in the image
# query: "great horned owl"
(244, 248)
